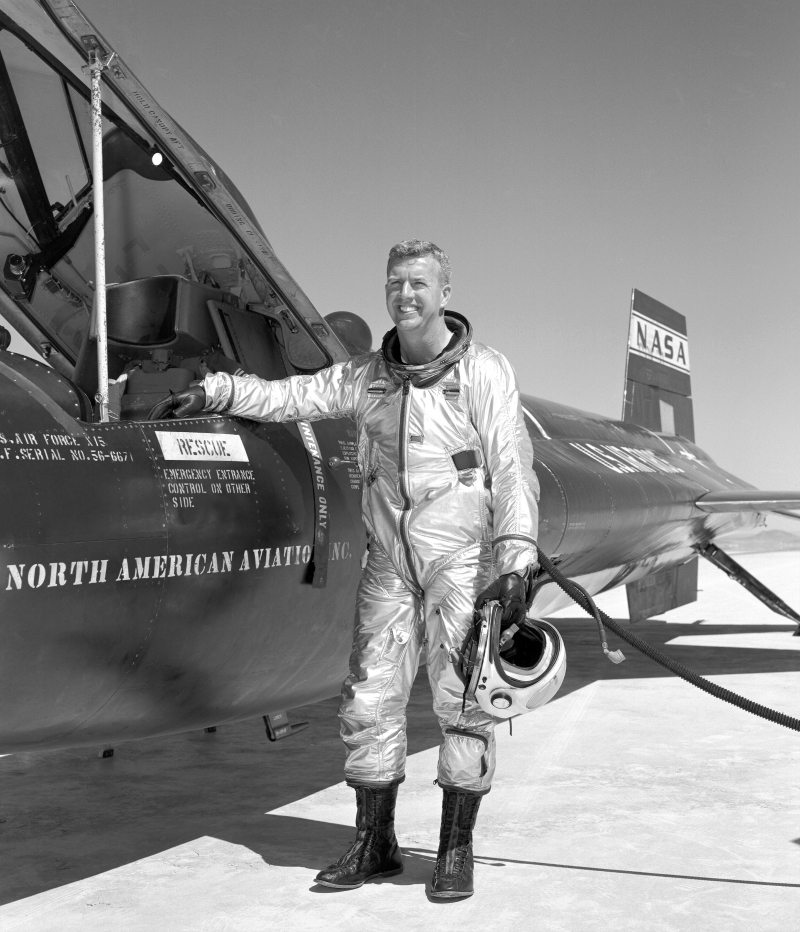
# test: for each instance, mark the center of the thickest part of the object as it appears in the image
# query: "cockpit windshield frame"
(192, 169)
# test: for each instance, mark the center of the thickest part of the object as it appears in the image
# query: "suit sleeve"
(498, 418)
(327, 393)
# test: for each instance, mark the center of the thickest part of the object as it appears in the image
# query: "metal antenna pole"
(97, 64)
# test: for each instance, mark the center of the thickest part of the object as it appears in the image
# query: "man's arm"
(328, 393)
(498, 418)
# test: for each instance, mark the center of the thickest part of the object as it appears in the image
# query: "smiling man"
(417, 290)
(450, 507)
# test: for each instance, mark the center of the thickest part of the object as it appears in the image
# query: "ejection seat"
(158, 329)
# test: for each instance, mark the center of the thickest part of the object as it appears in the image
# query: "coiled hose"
(579, 595)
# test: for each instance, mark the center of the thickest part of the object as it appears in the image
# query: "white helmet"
(526, 675)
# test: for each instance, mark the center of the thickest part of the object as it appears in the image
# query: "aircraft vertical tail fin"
(658, 392)
(658, 396)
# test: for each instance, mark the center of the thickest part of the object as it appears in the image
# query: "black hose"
(578, 594)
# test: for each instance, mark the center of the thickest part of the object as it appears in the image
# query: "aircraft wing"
(750, 500)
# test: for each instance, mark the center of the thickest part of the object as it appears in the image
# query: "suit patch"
(467, 459)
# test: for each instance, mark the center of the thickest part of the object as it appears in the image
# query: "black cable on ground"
(578, 594)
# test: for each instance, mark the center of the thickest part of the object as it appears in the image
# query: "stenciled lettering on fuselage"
(186, 445)
(626, 459)
(655, 341)
(46, 446)
(184, 485)
(163, 566)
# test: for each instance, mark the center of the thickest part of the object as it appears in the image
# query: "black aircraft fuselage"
(164, 576)
(144, 594)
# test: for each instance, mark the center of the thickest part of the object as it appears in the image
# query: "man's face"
(414, 293)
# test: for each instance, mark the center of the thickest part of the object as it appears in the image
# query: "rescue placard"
(655, 341)
(183, 445)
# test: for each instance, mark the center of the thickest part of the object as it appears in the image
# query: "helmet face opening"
(525, 649)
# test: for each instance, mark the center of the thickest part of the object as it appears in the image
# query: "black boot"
(452, 876)
(375, 852)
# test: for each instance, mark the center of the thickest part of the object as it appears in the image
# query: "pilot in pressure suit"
(450, 506)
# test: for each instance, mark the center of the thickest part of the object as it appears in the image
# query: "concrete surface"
(631, 802)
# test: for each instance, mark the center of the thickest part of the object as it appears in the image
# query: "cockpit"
(183, 299)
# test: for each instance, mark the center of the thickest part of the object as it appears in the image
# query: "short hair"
(417, 248)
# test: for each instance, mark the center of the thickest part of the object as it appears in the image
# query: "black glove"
(187, 403)
(511, 591)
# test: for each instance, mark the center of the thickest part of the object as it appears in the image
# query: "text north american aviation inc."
(163, 566)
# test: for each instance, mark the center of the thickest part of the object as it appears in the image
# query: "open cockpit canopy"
(169, 210)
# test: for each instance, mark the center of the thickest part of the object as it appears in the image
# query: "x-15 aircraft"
(160, 576)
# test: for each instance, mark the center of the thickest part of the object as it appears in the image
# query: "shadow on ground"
(68, 815)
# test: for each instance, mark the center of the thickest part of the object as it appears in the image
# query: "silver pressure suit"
(449, 501)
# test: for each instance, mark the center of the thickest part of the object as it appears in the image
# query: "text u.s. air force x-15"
(163, 576)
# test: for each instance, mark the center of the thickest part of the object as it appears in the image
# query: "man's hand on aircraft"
(187, 403)
(511, 591)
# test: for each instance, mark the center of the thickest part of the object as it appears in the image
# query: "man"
(450, 505)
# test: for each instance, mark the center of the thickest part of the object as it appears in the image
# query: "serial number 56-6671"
(112, 456)
(102, 456)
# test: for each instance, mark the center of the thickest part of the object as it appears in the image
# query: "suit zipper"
(403, 476)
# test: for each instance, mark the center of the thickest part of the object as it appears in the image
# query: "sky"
(562, 152)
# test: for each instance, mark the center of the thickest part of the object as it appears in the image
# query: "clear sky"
(561, 151)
